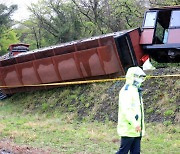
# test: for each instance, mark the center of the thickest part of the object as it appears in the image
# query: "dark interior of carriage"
(162, 25)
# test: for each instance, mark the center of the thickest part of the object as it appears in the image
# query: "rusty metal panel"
(28, 74)
(106, 41)
(147, 36)
(89, 63)
(67, 66)
(174, 36)
(8, 62)
(88, 44)
(1, 78)
(46, 70)
(25, 58)
(10, 76)
(109, 59)
(112, 47)
(0, 73)
(135, 38)
(64, 49)
(44, 54)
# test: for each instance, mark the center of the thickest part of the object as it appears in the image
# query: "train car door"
(148, 28)
(125, 51)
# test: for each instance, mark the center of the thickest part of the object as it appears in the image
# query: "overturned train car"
(97, 57)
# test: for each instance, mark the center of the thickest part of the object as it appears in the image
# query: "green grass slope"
(99, 101)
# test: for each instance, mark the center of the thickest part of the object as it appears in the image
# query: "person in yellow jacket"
(131, 112)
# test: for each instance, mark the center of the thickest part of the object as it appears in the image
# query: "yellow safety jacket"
(131, 110)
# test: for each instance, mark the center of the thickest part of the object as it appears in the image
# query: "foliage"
(169, 113)
(127, 14)
(5, 13)
(31, 32)
(164, 65)
(62, 21)
(7, 36)
(59, 21)
(58, 18)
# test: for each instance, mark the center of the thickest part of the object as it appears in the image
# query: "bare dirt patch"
(8, 147)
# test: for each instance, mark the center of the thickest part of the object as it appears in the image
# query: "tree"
(127, 14)
(31, 32)
(58, 21)
(10, 37)
(33, 28)
(58, 18)
(92, 11)
(7, 36)
(110, 15)
(5, 13)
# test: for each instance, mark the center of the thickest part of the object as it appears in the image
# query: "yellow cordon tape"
(84, 82)
(163, 76)
(65, 83)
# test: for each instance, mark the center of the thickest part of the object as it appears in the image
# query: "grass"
(82, 119)
(65, 134)
(161, 139)
(59, 132)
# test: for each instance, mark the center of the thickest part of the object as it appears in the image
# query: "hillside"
(98, 102)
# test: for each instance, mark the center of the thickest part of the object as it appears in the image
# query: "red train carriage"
(101, 56)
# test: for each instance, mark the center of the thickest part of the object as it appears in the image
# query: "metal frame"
(145, 19)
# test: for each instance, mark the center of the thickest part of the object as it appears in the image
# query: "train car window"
(162, 25)
(175, 19)
(165, 36)
(150, 19)
(159, 34)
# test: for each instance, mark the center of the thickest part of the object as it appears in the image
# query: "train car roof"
(166, 8)
(115, 34)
